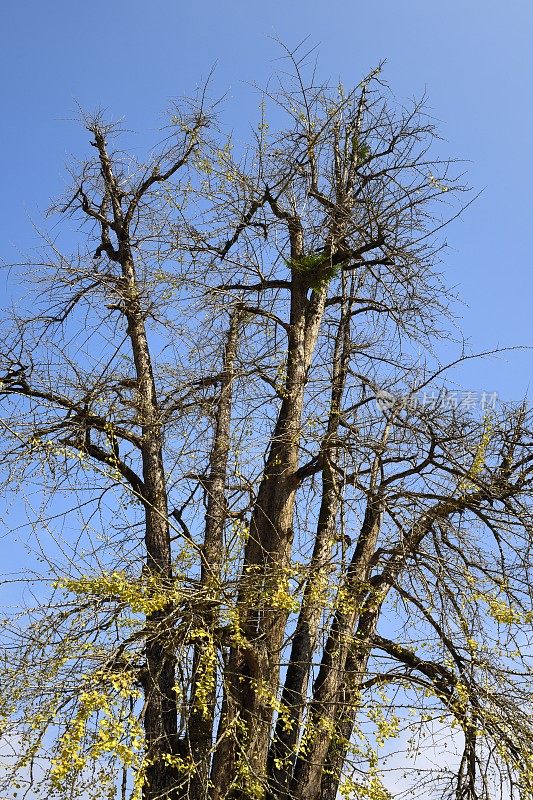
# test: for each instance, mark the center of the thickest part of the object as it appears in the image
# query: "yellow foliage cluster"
(115, 733)
(206, 670)
(478, 463)
(387, 725)
(281, 597)
(371, 789)
(144, 595)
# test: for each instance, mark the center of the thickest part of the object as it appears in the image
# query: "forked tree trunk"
(282, 752)
(256, 661)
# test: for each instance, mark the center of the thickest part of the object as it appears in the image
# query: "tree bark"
(160, 715)
(282, 751)
(201, 719)
(267, 557)
(309, 767)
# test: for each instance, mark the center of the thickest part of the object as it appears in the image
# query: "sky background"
(474, 59)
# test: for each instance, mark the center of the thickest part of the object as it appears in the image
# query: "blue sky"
(131, 57)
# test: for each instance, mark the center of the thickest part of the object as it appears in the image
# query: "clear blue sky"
(474, 57)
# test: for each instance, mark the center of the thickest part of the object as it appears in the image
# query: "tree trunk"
(266, 560)
(282, 752)
(160, 712)
(325, 706)
(200, 724)
(356, 667)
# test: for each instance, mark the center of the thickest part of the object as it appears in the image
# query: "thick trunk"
(255, 663)
(282, 752)
(160, 711)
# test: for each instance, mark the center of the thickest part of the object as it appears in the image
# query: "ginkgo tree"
(277, 557)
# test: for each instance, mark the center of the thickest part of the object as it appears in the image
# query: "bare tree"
(273, 544)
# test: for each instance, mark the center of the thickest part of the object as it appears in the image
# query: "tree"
(272, 542)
